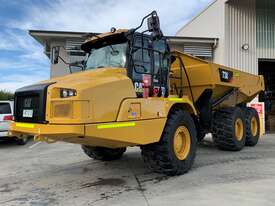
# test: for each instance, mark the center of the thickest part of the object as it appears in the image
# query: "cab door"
(149, 66)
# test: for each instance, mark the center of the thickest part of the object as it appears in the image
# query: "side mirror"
(153, 23)
(55, 54)
(154, 26)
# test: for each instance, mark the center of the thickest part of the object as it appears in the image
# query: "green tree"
(5, 95)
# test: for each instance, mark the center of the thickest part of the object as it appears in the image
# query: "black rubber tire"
(224, 129)
(103, 153)
(22, 141)
(251, 140)
(160, 157)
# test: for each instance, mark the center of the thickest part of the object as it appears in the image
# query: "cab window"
(141, 55)
(161, 57)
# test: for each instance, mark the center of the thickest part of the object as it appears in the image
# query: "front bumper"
(112, 135)
(47, 130)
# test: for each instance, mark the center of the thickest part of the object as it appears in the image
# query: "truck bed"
(243, 87)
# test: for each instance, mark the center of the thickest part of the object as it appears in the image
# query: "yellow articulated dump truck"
(132, 90)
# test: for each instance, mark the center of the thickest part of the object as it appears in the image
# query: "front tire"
(103, 153)
(175, 153)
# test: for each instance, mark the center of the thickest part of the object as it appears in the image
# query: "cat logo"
(27, 102)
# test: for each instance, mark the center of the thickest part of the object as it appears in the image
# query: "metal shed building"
(246, 32)
(245, 28)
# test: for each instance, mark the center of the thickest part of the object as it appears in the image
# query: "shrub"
(5, 95)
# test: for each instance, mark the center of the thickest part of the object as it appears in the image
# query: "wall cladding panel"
(240, 29)
(265, 10)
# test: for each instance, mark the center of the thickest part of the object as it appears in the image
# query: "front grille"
(30, 104)
(22, 104)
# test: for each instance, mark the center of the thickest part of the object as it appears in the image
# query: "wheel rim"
(239, 129)
(182, 143)
(254, 126)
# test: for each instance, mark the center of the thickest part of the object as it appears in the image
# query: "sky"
(22, 61)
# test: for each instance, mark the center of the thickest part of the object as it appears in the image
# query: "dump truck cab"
(145, 58)
(132, 90)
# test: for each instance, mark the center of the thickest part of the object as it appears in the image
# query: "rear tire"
(229, 130)
(252, 127)
(175, 153)
(103, 153)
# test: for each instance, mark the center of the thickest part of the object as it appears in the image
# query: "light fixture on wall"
(113, 29)
(245, 47)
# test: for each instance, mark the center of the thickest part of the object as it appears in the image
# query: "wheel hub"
(239, 129)
(182, 143)
(254, 126)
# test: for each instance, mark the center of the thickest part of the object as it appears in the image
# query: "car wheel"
(22, 141)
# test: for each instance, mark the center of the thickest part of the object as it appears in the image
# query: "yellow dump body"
(205, 75)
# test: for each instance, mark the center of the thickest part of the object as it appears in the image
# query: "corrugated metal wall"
(240, 29)
(249, 22)
(265, 29)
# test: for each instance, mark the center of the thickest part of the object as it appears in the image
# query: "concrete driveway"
(61, 174)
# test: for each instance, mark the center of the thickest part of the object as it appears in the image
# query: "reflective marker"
(116, 125)
(175, 99)
(25, 125)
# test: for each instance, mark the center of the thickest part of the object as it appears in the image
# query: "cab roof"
(93, 40)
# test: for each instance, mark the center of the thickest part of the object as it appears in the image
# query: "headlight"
(64, 93)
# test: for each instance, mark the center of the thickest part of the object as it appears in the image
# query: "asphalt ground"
(39, 174)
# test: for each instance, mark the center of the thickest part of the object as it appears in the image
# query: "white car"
(6, 116)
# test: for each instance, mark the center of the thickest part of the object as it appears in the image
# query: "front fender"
(152, 108)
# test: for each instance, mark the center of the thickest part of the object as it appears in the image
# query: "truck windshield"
(108, 56)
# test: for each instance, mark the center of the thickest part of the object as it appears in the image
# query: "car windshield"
(108, 56)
